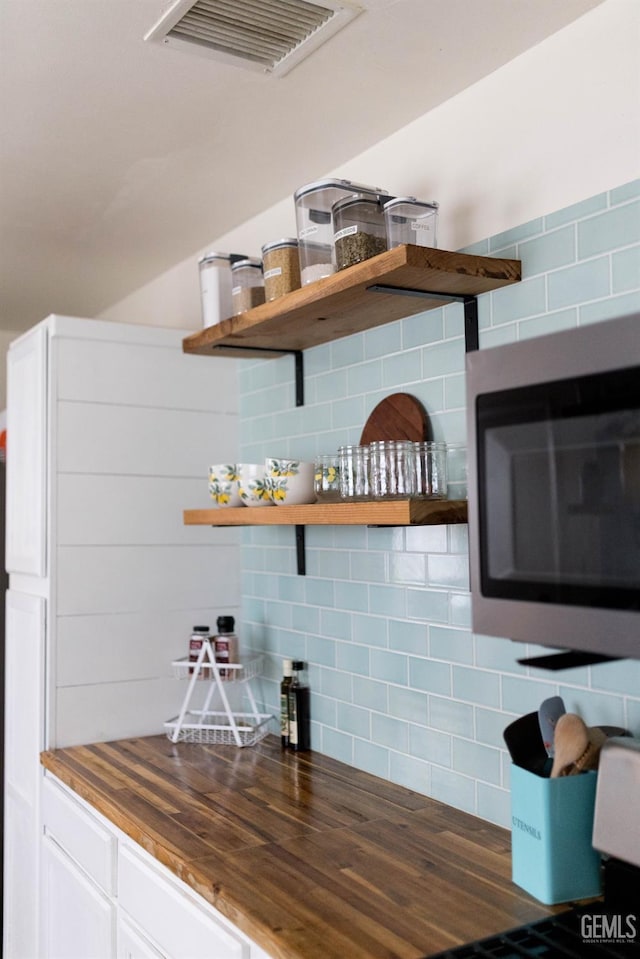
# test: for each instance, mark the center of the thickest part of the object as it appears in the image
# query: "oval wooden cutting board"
(399, 416)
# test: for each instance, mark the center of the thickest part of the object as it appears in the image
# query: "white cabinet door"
(132, 944)
(24, 740)
(79, 922)
(180, 925)
(26, 538)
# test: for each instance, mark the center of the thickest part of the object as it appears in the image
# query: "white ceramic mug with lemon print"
(291, 481)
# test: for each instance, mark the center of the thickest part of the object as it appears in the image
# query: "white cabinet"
(27, 473)
(132, 944)
(79, 921)
(104, 897)
(110, 430)
(170, 914)
(24, 739)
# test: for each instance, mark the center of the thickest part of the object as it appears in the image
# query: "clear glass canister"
(313, 204)
(408, 220)
(431, 470)
(327, 477)
(247, 288)
(215, 287)
(281, 268)
(393, 472)
(353, 463)
(359, 230)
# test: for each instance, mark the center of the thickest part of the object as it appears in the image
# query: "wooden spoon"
(577, 746)
(570, 742)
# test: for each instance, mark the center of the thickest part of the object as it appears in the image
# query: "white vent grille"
(268, 35)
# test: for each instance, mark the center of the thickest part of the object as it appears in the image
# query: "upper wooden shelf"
(345, 303)
(402, 512)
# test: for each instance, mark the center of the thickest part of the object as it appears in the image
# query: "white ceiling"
(120, 158)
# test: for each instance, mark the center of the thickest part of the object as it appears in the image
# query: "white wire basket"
(206, 725)
(214, 728)
(248, 668)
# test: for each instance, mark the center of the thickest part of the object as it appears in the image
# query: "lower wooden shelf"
(401, 512)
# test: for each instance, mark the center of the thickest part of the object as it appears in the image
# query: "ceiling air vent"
(268, 35)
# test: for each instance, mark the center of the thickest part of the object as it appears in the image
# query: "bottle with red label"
(225, 644)
(199, 636)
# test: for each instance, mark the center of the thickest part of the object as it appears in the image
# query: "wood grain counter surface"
(311, 858)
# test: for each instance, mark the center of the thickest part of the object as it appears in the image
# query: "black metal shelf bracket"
(469, 302)
(301, 560)
(298, 357)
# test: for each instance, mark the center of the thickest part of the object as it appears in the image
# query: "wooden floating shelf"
(402, 512)
(420, 278)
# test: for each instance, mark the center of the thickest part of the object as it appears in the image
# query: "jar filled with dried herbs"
(359, 230)
(281, 268)
(315, 229)
(247, 288)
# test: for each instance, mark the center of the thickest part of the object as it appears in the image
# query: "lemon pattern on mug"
(223, 478)
(291, 481)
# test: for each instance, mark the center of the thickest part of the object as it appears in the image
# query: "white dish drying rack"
(222, 726)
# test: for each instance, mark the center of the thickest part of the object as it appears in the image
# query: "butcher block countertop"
(310, 858)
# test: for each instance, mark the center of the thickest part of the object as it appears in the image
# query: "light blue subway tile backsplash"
(625, 269)
(430, 745)
(354, 720)
(521, 300)
(408, 637)
(450, 716)
(628, 191)
(619, 226)
(400, 685)
(494, 805)
(453, 788)
(576, 212)
(453, 645)
(579, 284)
(548, 251)
(476, 686)
(549, 323)
(515, 235)
(409, 704)
(401, 368)
(607, 309)
(383, 340)
(475, 760)
(422, 328)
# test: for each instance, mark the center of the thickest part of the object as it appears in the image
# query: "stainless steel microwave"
(554, 489)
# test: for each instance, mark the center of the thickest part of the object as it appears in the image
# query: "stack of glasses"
(389, 469)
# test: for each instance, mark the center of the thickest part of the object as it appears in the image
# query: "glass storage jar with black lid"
(408, 220)
(280, 267)
(313, 204)
(215, 287)
(359, 229)
(248, 285)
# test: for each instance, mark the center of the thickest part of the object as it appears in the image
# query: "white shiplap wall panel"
(120, 647)
(137, 375)
(133, 440)
(136, 424)
(106, 711)
(99, 509)
(124, 579)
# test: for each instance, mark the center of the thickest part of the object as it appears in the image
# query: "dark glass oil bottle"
(299, 714)
(285, 685)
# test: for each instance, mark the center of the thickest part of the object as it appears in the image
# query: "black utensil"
(525, 745)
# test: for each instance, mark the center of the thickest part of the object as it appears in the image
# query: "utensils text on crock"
(549, 713)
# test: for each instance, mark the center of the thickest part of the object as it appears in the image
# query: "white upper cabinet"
(26, 447)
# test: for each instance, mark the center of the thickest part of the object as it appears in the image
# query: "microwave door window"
(560, 507)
